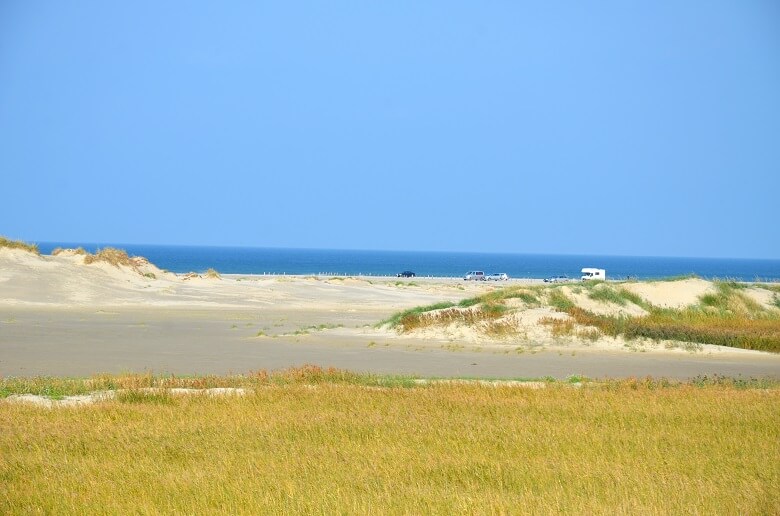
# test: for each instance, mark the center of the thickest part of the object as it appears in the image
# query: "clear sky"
(626, 127)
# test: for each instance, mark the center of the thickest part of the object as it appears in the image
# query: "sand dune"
(65, 281)
(672, 294)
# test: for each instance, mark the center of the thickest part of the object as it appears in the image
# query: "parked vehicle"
(589, 273)
(498, 276)
(556, 279)
(474, 276)
(405, 274)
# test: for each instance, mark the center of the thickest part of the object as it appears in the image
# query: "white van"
(589, 273)
(474, 276)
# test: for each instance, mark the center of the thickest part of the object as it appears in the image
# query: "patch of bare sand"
(762, 296)
(672, 294)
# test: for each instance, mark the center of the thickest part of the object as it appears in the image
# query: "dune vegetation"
(77, 251)
(317, 441)
(110, 255)
(18, 244)
(725, 317)
(212, 274)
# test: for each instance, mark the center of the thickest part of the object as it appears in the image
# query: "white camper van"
(589, 273)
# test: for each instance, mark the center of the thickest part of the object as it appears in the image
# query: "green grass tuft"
(396, 319)
(606, 294)
(559, 300)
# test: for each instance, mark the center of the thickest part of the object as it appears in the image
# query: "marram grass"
(726, 317)
(345, 447)
(111, 256)
(18, 244)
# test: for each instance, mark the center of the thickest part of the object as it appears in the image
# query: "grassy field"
(308, 441)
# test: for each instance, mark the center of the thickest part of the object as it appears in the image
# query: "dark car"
(405, 274)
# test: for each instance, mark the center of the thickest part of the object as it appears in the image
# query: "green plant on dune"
(559, 300)
(606, 294)
(395, 319)
(525, 294)
(619, 296)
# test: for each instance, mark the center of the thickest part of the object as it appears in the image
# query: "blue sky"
(626, 128)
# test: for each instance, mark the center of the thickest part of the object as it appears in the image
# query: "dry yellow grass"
(620, 447)
(110, 255)
(18, 244)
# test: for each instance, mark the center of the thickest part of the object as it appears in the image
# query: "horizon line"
(526, 253)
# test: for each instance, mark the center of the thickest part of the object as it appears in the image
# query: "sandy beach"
(60, 316)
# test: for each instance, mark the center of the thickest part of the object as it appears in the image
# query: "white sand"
(672, 294)
(64, 281)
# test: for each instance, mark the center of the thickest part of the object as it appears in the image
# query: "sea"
(341, 262)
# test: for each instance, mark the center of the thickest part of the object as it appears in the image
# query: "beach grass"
(446, 313)
(690, 325)
(484, 308)
(614, 294)
(399, 319)
(18, 244)
(110, 255)
(325, 441)
(725, 317)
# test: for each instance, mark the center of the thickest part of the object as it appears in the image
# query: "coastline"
(61, 317)
(283, 261)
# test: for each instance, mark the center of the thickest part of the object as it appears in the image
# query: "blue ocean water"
(248, 260)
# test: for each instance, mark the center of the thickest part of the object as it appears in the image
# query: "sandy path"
(81, 343)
